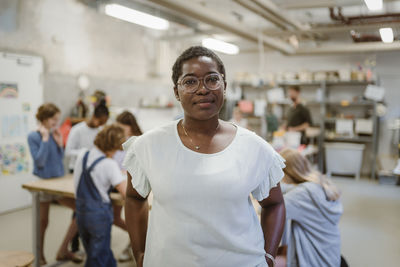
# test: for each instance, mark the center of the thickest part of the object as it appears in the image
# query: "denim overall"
(94, 219)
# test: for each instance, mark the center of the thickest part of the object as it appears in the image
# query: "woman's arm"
(136, 216)
(39, 150)
(272, 220)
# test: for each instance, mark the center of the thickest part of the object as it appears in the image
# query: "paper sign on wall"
(13, 159)
(8, 90)
(14, 126)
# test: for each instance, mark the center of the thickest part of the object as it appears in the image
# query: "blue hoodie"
(312, 227)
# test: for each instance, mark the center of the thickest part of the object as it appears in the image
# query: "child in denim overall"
(95, 174)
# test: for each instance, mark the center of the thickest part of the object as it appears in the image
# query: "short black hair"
(101, 110)
(194, 52)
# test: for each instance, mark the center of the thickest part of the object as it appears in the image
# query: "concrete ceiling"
(278, 24)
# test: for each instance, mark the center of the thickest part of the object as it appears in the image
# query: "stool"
(16, 259)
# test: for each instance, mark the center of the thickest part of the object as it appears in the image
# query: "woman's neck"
(206, 127)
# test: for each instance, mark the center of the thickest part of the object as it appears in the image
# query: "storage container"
(344, 158)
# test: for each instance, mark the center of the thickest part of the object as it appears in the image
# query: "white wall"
(76, 39)
(30, 91)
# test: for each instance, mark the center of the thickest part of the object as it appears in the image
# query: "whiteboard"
(17, 118)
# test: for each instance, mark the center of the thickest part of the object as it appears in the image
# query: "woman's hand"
(58, 138)
(269, 262)
(44, 132)
(139, 263)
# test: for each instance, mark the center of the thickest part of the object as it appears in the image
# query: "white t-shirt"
(202, 214)
(80, 137)
(105, 174)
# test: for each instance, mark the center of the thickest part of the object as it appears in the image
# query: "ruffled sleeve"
(132, 164)
(271, 178)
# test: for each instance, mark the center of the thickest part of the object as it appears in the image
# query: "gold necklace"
(191, 140)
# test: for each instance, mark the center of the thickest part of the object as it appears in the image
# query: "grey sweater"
(311, 231)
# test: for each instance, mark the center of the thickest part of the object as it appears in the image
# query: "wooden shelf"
(339, 83)
(300, 84)
(350, 83)
(358, 103)
(357, 139)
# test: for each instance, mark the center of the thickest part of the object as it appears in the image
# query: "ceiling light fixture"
(386, 35)
(374, 4)
(220, 46)
(137, 17)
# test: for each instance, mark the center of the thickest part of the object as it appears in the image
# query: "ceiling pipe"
(262, 14)
(338, 49)
(362, 38)
(333, 28)
(308, 4)
(270, 7)
(381, 18)
(349, 48)
(339, 16)
(201, 13)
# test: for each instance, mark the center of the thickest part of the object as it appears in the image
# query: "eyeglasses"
(212, 81)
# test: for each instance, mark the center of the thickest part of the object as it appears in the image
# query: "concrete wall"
(122, 58)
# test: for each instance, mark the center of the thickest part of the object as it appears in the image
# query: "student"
(83, 134)
(127, 122)
(46, 147)
(95, 174)
(313, 210)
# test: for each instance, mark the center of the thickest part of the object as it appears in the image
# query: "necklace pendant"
(197, 147)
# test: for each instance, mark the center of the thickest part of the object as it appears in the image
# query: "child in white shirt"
(95, 174)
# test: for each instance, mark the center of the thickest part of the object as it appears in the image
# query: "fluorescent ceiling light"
(220, 46)
(137, 17)
(374, 4)
(386, 35)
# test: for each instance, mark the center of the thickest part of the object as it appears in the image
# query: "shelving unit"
(326, 105)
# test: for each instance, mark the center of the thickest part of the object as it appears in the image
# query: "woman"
(313, 210)
(202, 171)
(127, 122)
(46, 146)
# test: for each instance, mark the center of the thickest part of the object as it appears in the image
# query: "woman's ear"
(176, 94)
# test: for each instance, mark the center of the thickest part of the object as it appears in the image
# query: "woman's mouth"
(204, 103)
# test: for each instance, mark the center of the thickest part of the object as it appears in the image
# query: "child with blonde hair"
(313, 211)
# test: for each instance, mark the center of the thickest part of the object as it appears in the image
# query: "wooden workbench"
(59, 187)
(62, 187)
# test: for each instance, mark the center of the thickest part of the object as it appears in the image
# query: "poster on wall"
(13, 159)
(8, 90)
(14, 126)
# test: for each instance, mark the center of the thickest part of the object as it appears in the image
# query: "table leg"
(36, 228)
